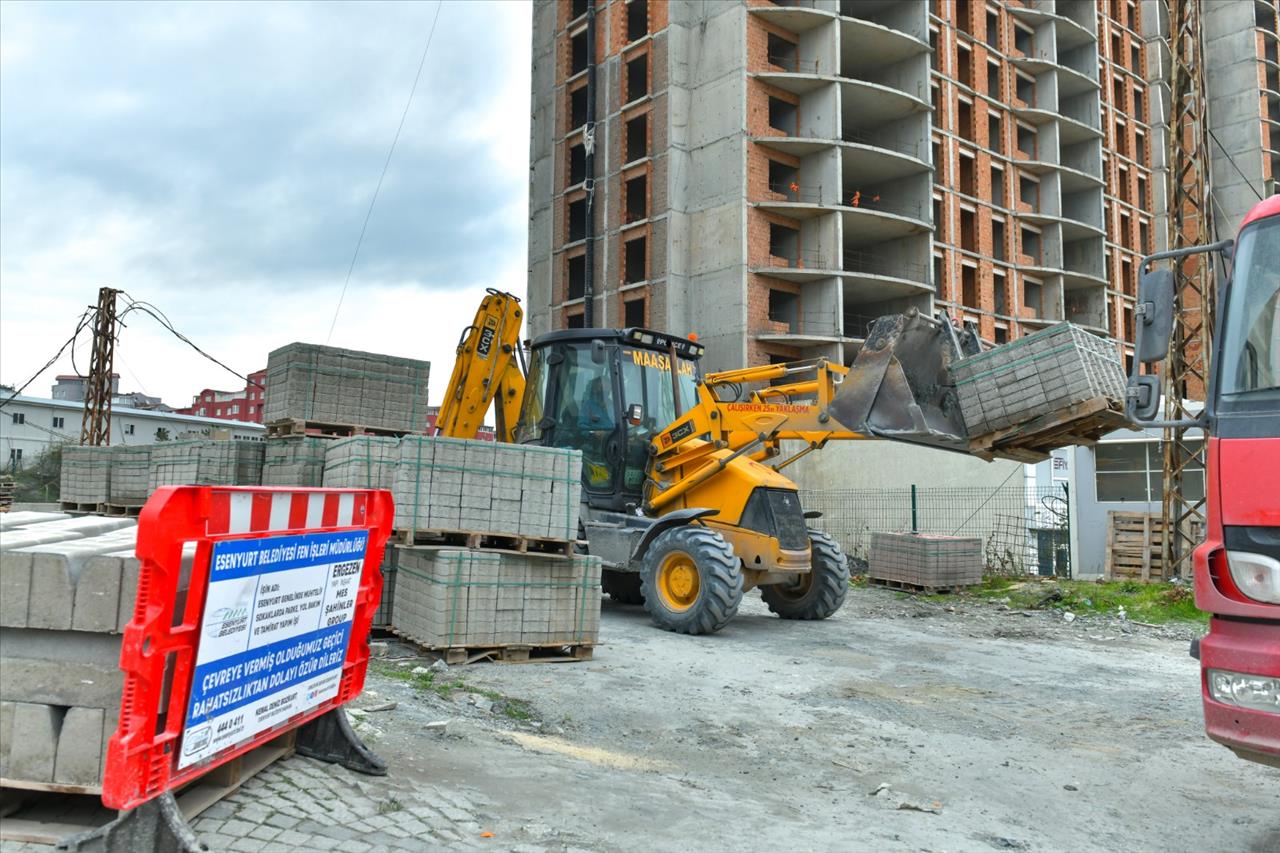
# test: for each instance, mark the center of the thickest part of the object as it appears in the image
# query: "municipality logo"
(226, 620)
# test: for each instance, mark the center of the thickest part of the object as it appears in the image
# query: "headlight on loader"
(1256, 575)
(1256, 692)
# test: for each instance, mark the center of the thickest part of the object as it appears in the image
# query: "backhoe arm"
(486, 370)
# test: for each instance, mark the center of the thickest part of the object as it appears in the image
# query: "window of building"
(784, 242)
(937, 275)
(1127, 327)
(1135, 58)
(578, 53)
(576, 274)
(964, 65)
(936, 91)
(1122, 182)
(1033, 296)
(783, 116)
(969, 285)
(1134, 471)
(997, 186)
(1127, 284)
(15, 458)
(964, 119)
(577, 164)
(1139, 108)
(1026, 88)
(993, 81)
(784, 307)
(1117, 49)
(782, 53)
(633, 312)
(997, 239)
(637, 19)
(638, 77)
(1027, 140)
(638, 137)
(1144, 238)
(968, 230)
(575, 321)
(59, 423)
(578, 220)
(635, 260)
(1031, 244)
(1117, 92)
(578, 107)
(939, 224)
(1029, 191)
(637, 190)
(235, 409)
(1002, 335)
(1023, 39)
(968, 186)
(1125, 239)
(995, 133)
(578, 9)
(993, 27)
(128, 429)
(19, 418)
(1139, 144)
(933, 40)
(784, 179)
(998, 293)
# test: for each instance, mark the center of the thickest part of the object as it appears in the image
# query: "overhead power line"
(80, 325)
(378, 188)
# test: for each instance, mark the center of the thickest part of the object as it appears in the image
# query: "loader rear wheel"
(690, 581)
(819, 593)
(623, 587)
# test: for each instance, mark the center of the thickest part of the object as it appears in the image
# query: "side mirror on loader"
(635, 414)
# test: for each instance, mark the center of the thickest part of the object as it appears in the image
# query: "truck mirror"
(1143, 398)
(597, 351)
(635, 414)
(1155, 305)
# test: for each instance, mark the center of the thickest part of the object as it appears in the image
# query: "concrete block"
(27, 518)
(60, 667)
(6, 734)
(15, 588)
(34, 742)
(79, 757)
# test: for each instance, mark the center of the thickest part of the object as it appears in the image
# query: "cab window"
(586, 415)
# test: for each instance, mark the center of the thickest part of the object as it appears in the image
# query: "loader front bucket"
(900, 387)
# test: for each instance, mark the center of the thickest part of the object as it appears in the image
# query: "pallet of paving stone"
(47, 814)
(294, 461)
(208, 462)
(514, 653)
(82, 508)
(484, 601)
(361, 462)
(7, 488)
(925, 561)
(294, 428)
(85, 477)
(903, 586)
(480, 541)
(1081, 423)
(318, 387)
(130, 479)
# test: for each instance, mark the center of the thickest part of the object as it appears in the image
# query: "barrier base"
(330, 738)
(157, 825)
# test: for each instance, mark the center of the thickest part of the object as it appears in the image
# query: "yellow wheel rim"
(678, 582)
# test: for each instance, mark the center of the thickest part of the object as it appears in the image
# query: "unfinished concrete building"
(773, 174)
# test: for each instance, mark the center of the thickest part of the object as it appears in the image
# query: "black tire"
(623, 587)
(719, 580)
(818, 594)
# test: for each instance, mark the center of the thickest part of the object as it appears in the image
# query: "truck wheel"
(819, 593)
(623, 587)
(691, 581)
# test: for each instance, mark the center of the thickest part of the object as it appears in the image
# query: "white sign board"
(277, 621)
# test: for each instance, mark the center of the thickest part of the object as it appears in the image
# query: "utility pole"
(95, 426)
(1186, 370)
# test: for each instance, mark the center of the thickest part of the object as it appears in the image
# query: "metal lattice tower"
(1186, 370)
(95, 426)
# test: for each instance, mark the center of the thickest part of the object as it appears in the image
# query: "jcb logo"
(486, 337)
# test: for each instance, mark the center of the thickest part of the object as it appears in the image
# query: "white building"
(30, 425)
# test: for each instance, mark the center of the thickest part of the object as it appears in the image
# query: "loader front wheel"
(690, 581)
(623, 587)
(819, 593)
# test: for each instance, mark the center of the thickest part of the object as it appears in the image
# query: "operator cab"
(607, 392)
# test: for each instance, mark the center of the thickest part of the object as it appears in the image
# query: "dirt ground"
(897, 725)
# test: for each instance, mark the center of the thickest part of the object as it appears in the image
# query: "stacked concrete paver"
(130, 475)
(461, 598)
(361, 462)
(925, 560)
(329, 385)
(86, 474)
(294, 461)
(1042, 373)
(67, 588)
(206, 463)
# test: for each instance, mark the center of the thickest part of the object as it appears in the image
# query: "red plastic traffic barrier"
(264, 628)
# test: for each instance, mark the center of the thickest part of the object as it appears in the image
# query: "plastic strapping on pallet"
(160, 644)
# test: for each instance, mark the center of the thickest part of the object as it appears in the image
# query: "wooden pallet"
(1135, 546)
(1083, 423)
(918, 588)
(7, 488)
(122, 510)
(508, 653)
(72, 506)
(293, 427)
(45, 813)
(481, 541)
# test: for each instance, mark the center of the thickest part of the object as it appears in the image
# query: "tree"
(42, 480)
(162, 434)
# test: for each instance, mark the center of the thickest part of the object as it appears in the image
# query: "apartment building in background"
(244, 406)
(773, 174)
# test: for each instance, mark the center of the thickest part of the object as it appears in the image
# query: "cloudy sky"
(217, 160)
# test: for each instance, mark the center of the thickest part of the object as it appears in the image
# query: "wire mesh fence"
(1024, 529)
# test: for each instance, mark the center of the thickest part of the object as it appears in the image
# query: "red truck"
(1237, 567)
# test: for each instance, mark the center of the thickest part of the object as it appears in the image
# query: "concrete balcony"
(865, 225)
(1079, 280)
(872, 277)
(797, 339)
(1034, 115)
(867, 164)
(801, 268)
(1074, 229)
(1038, 63)
(796, 146)
(795, 200)
(796, 16)
(1072, 82)
(867, 48)
(1074, 180)
(864, 104)
(797, 83)
(1071, 131)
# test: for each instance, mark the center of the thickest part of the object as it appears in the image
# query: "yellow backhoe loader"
(683, 495)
